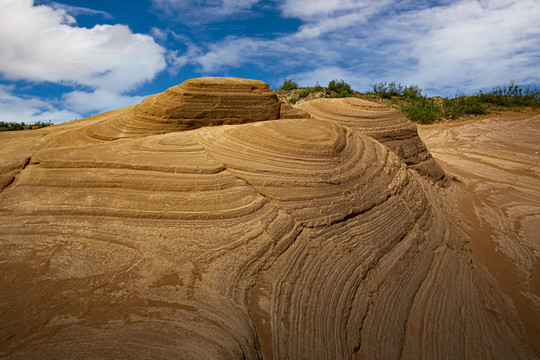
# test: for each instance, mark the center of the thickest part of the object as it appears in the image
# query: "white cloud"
(177, 62)
(76, 10)
(467, 44)
(234, 51)
(38, 43)
(29, 110)
(203, 11)
(99, 101)
(44, 44)
(315, 9)
(322, 16)
(159, 34)
(458, 45)
(325, 25)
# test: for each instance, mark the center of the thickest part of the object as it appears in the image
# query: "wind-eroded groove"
(353, 214)
(372, 293)
(22, 168)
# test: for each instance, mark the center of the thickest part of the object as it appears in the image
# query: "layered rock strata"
(292, 238)
(196, 103)
(384, 124)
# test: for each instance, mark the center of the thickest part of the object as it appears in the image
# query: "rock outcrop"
(196, 103)
(384, 124)
(290, 238)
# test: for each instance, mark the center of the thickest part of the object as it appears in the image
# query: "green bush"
(305, 92)
(12, 126)
(289, 84)
(512, 94)
(422, 109)
(318, 87)
(390, 90)
(341, 94)
(412, 92)
(339, 87)
(461, 105)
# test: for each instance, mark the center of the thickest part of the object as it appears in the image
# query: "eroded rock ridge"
(264, 238)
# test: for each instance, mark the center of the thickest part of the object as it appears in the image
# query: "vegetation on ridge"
(11, 126)
(418, 107)
(289, 84)
(336, 89)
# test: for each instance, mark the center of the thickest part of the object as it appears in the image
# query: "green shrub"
(339, 87)
(461, 105)
(390, 90)
(512, 94)
(12, 126)
(318, 87)
(289, 84)
(422, 109)
(412, 92)
(341, 94)
(304, 93)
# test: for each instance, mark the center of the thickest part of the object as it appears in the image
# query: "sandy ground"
(495, 199)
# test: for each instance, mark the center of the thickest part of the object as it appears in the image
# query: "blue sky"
(68, 59)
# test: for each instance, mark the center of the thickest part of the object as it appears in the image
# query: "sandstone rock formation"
(270, 238)
(496, 202)
(384, 124)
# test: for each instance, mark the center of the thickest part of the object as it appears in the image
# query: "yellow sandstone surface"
(152, 233)
(384, 124)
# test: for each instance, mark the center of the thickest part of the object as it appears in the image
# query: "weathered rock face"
(293, 238)
(384, 124)
(196, 103)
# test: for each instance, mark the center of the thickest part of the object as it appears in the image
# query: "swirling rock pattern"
(193, 104)
(291, 238)
(382, 123)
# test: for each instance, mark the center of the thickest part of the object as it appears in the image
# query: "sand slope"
(496, 204)
(275, 238)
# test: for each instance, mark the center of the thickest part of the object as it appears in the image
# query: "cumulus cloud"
(44, 44)
(203, 11)
(30, 109)
(47, 46)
